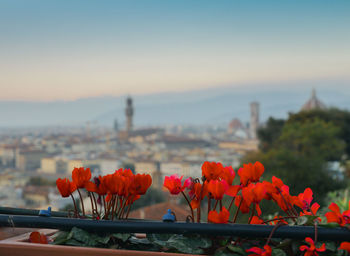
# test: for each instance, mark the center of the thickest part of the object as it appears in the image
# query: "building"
(129, 112)
(254, 120)
(29, 160)
(237, 129)
(53, 165)
(313, 103)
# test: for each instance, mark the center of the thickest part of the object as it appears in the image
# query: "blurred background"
(162, 86)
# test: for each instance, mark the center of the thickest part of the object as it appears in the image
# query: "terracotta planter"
(19, 246)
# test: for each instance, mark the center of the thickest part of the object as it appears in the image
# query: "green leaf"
(278, 252)
(84, 237)
(236, 249)
(329, 245)
(186, 244)
(103, 239)
(301, 220)
(141, 244)
(60, 237)
(122, 236)
(310, 219)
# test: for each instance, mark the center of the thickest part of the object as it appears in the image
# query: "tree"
(300, 156)
(270, 132)
(340, 118)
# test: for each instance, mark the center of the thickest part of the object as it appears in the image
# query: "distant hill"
(207, 106)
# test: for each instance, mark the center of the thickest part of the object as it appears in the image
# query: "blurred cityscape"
(31, 160)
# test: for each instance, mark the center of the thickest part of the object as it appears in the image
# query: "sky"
(66, 50)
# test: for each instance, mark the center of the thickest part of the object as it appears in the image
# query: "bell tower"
(254, 119)
(129, 112)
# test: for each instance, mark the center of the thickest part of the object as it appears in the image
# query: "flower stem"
(75, 207)
(92, 205)
(233, 198)
(237, 211)
(82, 203)
(189, 204)
(252, 214)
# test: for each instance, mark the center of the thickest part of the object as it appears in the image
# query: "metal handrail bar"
(128, 226)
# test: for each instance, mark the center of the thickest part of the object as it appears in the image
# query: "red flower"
(116, 184)
(217, 188)
(258, 251)
(38, 238)
(197, 194)
(313, 211)
(233, 190)
(65, 187)
(305, 199)
(256, 220)
(254, 193)
(81, 176)
(174, 185)
(278, 219)
(212, 170)
(98, 186)
(241, 203)
(284, 199)
(336, 216)
(345, 246)
(277, 182)
(228, 174)
(250, 172)
(221, 217)
(140, 184)
(312, 250)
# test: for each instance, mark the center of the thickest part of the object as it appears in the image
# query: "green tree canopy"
(301, 153)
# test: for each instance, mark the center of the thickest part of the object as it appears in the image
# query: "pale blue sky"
(71, 49)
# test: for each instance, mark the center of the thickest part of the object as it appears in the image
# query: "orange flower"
(258, 251)
(250, 172)
(212, 170)
(221, 217)
(81, 176)
(345, 246)
(217, 188)
(311, 250)
(38, 238)
(65, 187)
(174, 185)
(335, 216)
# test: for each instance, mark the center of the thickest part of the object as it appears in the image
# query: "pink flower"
(174, 184)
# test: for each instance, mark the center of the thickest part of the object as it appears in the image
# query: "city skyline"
(59, 51)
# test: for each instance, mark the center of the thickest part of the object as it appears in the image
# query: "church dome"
(313, 103)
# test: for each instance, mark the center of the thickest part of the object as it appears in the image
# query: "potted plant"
(111, 198)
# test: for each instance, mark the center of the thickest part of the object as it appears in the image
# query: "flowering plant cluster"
(247, 194)
(111, 196)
